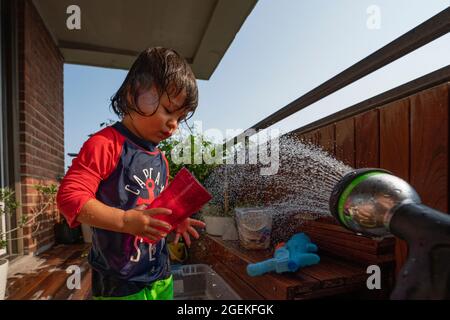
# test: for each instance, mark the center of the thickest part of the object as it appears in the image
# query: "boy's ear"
(130, 98)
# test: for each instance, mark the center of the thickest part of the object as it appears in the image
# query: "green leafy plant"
(213, 210)
(47, 196)
(200, 170)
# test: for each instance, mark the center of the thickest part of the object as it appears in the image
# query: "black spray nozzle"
(339, 190)
(373, 202)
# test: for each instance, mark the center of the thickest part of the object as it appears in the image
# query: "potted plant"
(214, 216)
(8, 205)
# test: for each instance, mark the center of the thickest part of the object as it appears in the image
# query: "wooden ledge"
(331, 277)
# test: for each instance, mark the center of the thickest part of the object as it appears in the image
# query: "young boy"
(119, 171)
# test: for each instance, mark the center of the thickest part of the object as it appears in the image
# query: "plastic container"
(254, 227)
(184, 196)
(200, 282)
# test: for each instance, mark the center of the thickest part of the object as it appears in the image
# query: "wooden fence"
(409, 137)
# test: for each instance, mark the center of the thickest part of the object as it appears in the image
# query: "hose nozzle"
(375, 203)
(363, 199)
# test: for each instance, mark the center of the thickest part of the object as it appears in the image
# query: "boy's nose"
(172, 124)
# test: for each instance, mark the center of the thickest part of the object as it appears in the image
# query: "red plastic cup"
(184, 196)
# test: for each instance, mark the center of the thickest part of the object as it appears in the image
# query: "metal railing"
(421, 35)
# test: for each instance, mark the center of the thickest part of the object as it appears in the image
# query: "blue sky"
(284, 49)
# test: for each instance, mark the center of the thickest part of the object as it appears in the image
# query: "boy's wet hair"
(163, 68)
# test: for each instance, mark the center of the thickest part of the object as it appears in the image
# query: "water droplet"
(306, 176)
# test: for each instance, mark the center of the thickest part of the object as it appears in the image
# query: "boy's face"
(162, 124)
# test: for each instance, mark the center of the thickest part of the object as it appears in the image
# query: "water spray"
(375, 203)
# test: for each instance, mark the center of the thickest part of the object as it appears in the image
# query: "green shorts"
(158, 290)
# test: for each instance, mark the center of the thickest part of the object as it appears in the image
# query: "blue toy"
(296, 253)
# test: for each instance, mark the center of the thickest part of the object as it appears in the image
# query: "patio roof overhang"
(113, 32)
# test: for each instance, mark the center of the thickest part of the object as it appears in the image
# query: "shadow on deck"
(44, 277)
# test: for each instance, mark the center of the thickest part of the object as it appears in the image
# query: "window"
(2, 126)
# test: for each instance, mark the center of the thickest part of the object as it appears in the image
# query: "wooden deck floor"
(48, 281)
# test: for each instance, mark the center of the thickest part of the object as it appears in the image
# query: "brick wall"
(41, 120)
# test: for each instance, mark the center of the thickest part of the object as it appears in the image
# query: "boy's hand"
(139, 222)
(186, 227)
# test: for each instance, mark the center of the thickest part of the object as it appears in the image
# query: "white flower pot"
(87, 233)
(216, 226)
(230, 232)
(3, 277)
